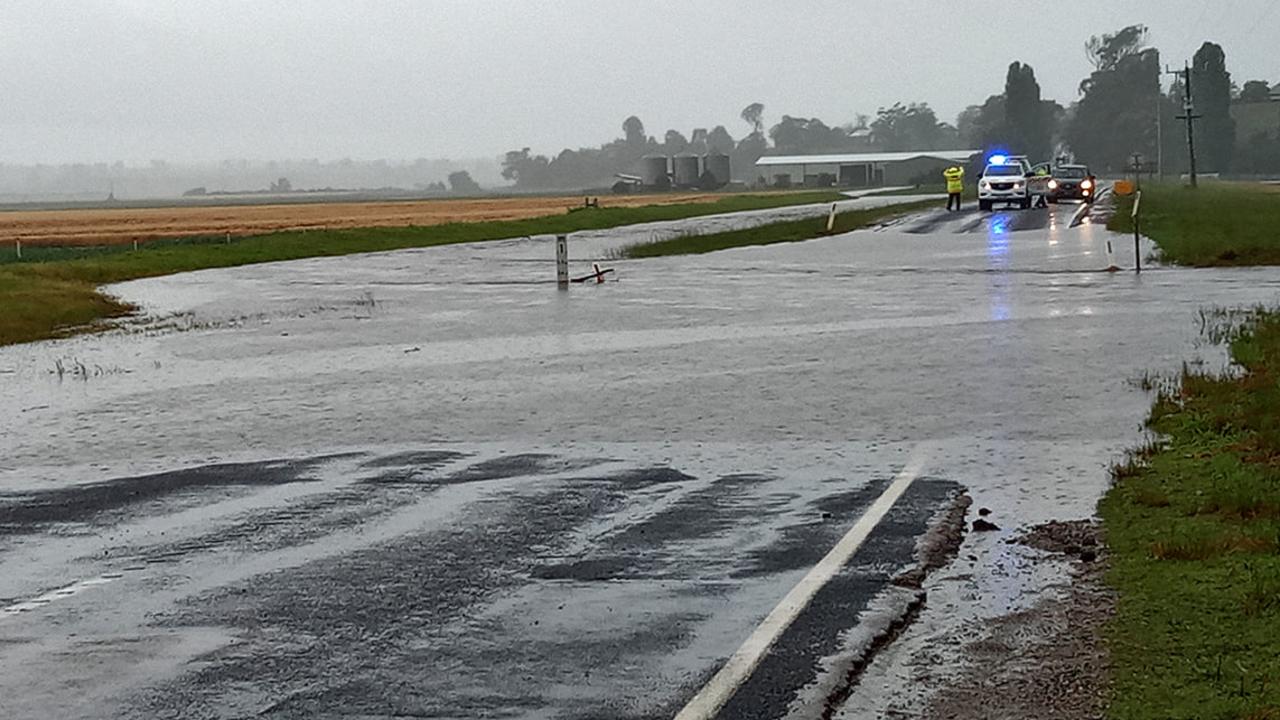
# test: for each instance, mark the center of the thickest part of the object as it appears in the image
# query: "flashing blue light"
(998, 160)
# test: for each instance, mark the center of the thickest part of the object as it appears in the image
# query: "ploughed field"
(108, 226)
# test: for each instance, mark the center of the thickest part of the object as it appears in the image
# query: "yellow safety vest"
(955, 179)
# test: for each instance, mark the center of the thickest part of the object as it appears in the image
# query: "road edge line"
(717, 692)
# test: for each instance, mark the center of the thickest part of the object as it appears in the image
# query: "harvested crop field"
(110, 226)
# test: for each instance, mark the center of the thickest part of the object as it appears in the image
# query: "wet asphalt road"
(427, 484)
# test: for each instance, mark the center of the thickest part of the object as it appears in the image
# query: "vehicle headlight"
(1053, 184)
(1086, 184)
(1019, 183)
(983, 183)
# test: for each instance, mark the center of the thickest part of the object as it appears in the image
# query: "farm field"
(110, 226)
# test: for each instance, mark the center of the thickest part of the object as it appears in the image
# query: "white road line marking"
(742, 663)
(59, 594)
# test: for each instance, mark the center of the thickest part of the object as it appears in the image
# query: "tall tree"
(1211, 93)
(674, 142)
(698, 141)
(527, 171)
(753, 115)
(1026, 117)
(908, 127)
(807, 135)
(1106, 51)
(1255, 91)
(744, 156)
(460, 183)
(984, 126)
(1116, 113)
(719, 140)
(633, 132)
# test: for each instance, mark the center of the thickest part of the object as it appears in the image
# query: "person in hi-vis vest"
(955, 185)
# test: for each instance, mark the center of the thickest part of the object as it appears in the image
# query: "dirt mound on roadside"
(1082, 538)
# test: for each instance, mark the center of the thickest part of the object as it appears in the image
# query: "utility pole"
(1160, 134)
(1189, 115)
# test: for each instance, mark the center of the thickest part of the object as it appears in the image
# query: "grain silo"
(653, 170)
(686, 169)
(717, 164)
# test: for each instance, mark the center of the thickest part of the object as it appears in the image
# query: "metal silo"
(718, 165)
(686, 170)
(653, 170)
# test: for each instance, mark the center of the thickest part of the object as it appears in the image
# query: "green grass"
(51, 292)
(780, 232)
(1217, 224)
(1193, 527)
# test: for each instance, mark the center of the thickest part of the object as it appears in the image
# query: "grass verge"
(52, 292)
(780, 232)
(1217, 224)
(1193, 526)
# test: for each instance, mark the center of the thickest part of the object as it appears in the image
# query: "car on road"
(1072, 182)
(1004, 180)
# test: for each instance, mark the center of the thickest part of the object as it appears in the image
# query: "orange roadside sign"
(1123, 187)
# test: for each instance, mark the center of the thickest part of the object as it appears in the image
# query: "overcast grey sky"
(106, 80)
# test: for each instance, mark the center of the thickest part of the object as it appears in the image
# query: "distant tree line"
(1120, 110)
(94, 181)
(900, 127)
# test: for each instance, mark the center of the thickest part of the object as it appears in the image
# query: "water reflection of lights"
(998, 263)
(1000, 225)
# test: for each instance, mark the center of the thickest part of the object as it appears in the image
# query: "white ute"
(1005, 180)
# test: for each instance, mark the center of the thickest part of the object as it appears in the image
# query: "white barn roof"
(860, 158)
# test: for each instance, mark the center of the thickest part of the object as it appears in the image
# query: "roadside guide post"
(831, 218)
(562, 261)
(17, 244)
(1137, 224)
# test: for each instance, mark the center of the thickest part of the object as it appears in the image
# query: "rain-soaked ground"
(427, 483)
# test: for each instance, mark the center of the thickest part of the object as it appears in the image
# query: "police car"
(1005, 180)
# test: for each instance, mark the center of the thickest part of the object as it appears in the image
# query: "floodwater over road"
(428, 483)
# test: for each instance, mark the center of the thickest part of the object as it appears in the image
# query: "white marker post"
(1137, 229)
(18, 245)
(562, 261)
(831, 218)
(1111, 259)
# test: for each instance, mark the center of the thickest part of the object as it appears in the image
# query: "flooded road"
(427, 483)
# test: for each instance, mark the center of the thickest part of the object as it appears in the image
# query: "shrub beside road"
(1193, 519)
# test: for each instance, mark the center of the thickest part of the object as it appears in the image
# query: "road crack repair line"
(740, 666)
